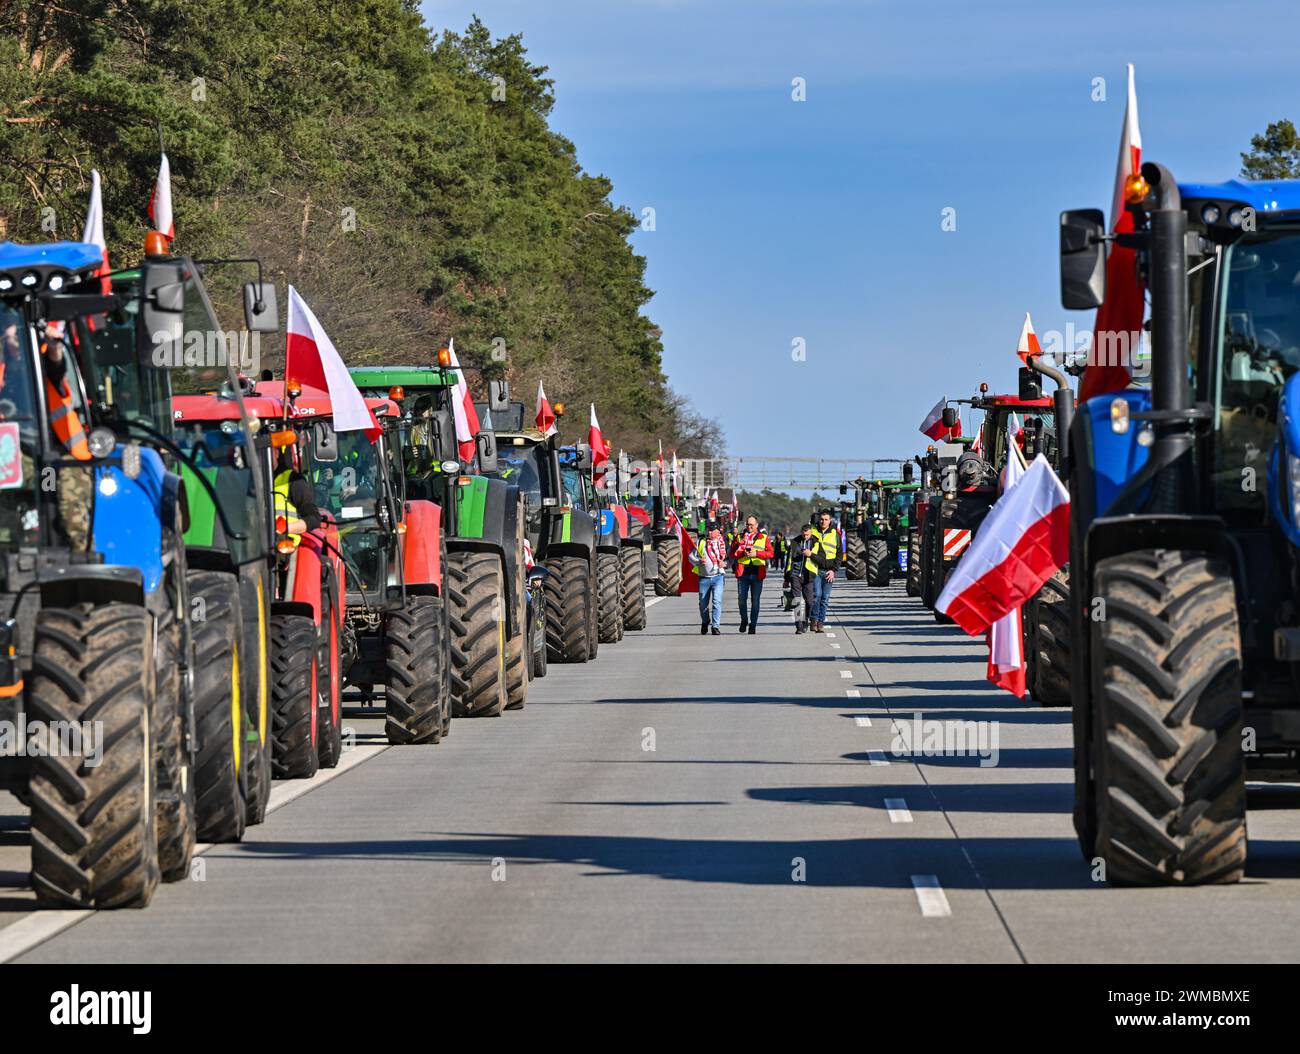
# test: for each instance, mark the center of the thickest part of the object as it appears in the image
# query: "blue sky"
(821, 220)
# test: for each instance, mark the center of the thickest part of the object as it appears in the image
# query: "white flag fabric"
(310, 358)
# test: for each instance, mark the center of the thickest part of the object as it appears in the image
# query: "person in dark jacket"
(801, 582)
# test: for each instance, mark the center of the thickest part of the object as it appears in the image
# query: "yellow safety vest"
(830, 548)
(760, 542)
(283, 506)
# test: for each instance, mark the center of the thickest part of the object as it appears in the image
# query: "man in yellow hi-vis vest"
(822, 561)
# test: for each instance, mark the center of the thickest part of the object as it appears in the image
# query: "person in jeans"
(821, 564)
(801, 582)
(710, 557)
(751, 551)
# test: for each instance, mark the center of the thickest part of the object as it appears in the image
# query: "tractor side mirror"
(498, 396)
(909, 471)
(487, 451)
(951, 419)
(1083, 259)
(162, 311)
(260, 311)
(325, 442)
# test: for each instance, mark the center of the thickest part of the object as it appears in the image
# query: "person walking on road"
(821, 564)
(801, 582)
(751, 551)
(710, 556)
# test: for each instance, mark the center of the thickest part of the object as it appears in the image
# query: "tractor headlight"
(1293, 481)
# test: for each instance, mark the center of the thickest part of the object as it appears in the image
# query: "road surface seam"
(1006, 926)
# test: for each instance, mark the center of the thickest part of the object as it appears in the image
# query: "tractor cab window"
(575, 486)
(17, 383)
(119, 387)
(518, 465)
(218, 452)
(1258, 336)
(1032, 429)
(19, 522)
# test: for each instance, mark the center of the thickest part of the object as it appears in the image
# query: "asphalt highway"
(756, 798)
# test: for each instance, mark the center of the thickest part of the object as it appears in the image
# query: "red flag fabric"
(1006, 667)
(160, 202)
(1028, 346)
(462, 405)
(1118, 328)
(545, 415)
(599, 448)
(933, 425)
(310, 359)
(1022, 542)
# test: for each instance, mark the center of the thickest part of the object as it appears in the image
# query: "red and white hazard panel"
(955, 543)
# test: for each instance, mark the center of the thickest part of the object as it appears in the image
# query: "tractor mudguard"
(64, 586)
(421, 552)
(292, 607)
(569, 529)
(131, 514)
(488, 520)
(308, 560)
(607, 533)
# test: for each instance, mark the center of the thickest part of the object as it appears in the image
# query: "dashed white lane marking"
(846, 675)
(898, 810)
(653, 601)
(877, 757)
(929, 894)
(834, 645)
(853, 693)
(38, 927)
(831, 635)
(862, 720)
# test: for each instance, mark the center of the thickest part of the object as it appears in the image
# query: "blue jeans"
(711, 599)
(821, 599)
(749, 588)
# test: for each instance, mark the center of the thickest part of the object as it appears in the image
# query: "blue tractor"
(96, 652)
(1185, 531)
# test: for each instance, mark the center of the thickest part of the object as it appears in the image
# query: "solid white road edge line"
(38, 927)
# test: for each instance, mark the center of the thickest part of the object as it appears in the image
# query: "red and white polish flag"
(310, 358)
(160, 202)
(599, 448)
(545, 415)
(933, 425)
(1122, 309)
(462, 406)
(1023, 540)
(1006, 667)
(1028, 346)
(92, 232)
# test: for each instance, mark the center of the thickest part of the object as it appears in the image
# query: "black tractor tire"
(877, 562)
(173, 769)
(634, 616)
(913, 580)
(925, 571)
(855, 558)
(609, 597)
(518, 666)
(1049, 623)
(293, 697)
(568, 609)
(329, 734)
(669, 579)
(93, 828)
(216, 626)
(539, 649)
(1168, 766)
(257, 695)
(478, 645)
(413, 674)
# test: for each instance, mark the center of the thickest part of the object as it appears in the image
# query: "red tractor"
(308, 581)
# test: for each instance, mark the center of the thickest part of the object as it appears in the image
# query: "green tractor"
(484, 521)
